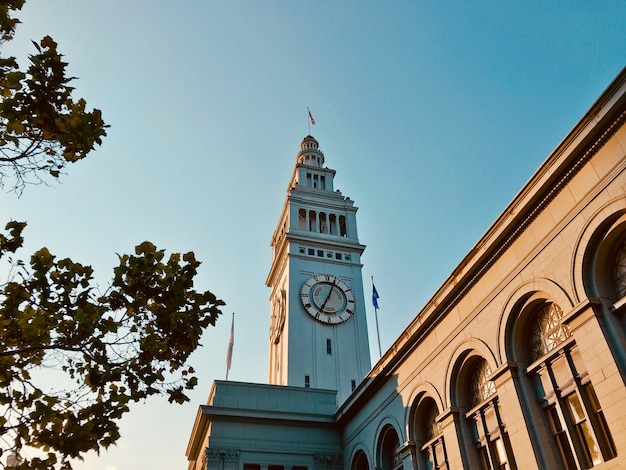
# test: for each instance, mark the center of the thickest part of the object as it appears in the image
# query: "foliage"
(42, 128)
(111, 348)
(117, 347)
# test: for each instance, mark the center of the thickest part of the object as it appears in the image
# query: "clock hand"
(330, 291)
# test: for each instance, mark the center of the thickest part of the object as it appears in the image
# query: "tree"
(114, 347)
(42, 128)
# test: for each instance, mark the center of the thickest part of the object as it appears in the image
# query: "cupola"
(310, 154)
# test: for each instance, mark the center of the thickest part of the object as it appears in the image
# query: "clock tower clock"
(318, 328)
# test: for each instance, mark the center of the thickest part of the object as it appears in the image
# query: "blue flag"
(374, 296)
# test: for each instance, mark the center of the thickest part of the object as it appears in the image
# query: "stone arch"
(420, 391)
(468, 356)
(535, 290)
(360, 458)
(593, 246)
(470, 348)
(388, 440)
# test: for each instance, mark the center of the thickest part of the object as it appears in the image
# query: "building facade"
(518, 361)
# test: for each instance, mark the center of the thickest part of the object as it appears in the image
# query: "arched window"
(489, 434)
(429, 437)
(482, 388)
(388, 444)
(547, 332)
(570, 404)
(619, 271)
(360, 461)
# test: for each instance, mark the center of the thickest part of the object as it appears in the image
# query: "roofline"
(198, 431)
(589, 135)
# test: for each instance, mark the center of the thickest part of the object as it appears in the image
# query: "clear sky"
(434, 115)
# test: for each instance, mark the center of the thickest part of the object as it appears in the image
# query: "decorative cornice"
(459, 288)
(213, 454)
(536, 210)
(328, 461)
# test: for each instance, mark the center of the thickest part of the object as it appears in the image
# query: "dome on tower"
(309, 142)
(310, 154)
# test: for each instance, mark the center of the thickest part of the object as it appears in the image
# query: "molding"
(503, 234)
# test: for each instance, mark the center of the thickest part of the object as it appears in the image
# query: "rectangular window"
(583, 428)
(342, 225)
(329, 346)
(599, 422)
(560, 436)
(301, 219)
(320, 253)
(435, 454)
(251, 466)
(311, 251)
(353, 383)
(337, 255)
(307, 381)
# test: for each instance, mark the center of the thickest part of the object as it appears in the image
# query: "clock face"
(278, 317)
(328, 299)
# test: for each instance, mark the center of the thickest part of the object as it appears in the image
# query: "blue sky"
(434, 115)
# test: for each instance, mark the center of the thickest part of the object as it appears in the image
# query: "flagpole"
(231, 342)
(380, 353)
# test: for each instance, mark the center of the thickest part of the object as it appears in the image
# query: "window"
(435, 454)
(307, 381)
(312, 221)
(387, 447)
(342, 225)
(329, 346)
(332, 224)
(337, 255)
(301, 219)
(482, 387)
(360, 461)
(548, 332)
(323, 219)
(488, 430)
(320, 253)
(619, 274)
(311, 251)
(571, 406)
(428, 435)
(353, 384)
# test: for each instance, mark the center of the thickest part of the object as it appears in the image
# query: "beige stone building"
(518, 361)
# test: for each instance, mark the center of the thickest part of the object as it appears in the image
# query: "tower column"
(318, 338)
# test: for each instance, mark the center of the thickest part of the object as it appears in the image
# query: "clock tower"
(318, 328)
